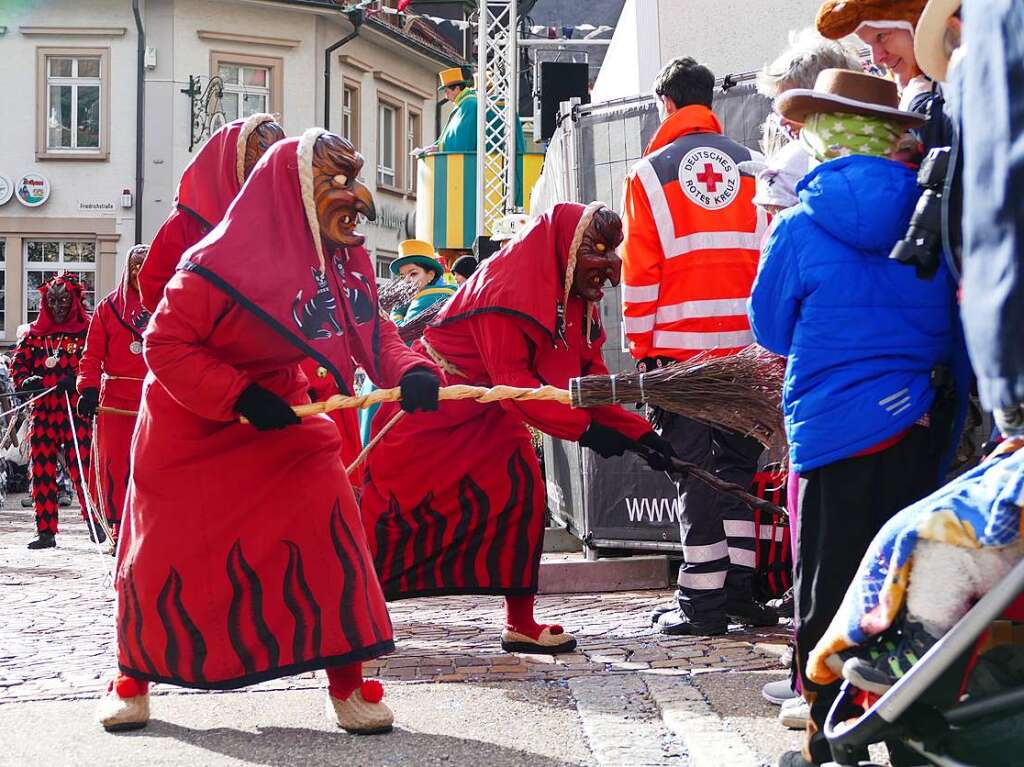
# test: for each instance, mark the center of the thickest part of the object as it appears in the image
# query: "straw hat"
(840, 91)
(838, 18)
(929, 45)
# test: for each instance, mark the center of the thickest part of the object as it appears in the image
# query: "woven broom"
(394, 293)
(412, 330)
(740, 393)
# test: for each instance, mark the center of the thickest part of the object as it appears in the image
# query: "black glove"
(659, 454)
(264, 409)
(32, 385)
(67, 384)
(604, 441)
(419, 390)
(88, 401)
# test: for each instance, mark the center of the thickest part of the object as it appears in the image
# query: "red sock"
(519, 616)
(342, 681)
(128, 687)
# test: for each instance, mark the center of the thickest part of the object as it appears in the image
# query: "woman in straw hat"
(242, 557)
(417, 263)
(863, 335)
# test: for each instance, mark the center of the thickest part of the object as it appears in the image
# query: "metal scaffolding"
(497, 96)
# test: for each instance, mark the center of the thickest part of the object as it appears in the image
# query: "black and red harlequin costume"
(242, 557)
(113, 367)
(52, 351)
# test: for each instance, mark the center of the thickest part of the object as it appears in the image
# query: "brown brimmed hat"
(839, 18)
(840, 91)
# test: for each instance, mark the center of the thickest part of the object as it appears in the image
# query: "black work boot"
(27, 502)
(96, 534)
(683, 620)
(751, 613)
(44, 540)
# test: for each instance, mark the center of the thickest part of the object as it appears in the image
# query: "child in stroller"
(938, 697)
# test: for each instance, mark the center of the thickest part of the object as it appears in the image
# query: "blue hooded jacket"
(862, 332)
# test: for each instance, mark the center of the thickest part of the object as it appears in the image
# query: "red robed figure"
(453, 501)
(112, 364)
(243, 558)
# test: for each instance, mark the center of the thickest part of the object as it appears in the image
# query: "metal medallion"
(51, 362)
(135, 347)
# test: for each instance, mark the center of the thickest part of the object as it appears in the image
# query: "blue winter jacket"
(861, 331)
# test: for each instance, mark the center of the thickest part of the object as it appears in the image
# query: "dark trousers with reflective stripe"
(717, 530)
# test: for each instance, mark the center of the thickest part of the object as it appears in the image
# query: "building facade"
(69, 72)
(729, 36)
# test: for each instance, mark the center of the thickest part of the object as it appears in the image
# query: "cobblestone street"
(626, 697)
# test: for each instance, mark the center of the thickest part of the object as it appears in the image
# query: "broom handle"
(478, 393)
(682, 467)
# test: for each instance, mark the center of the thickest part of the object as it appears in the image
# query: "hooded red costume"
(242, 556)
(453, 502)
(51, 351)
(206, 189)
(112, 364)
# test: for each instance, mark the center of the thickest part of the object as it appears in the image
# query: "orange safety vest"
(692, 241)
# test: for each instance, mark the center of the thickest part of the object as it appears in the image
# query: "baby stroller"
(954, 708)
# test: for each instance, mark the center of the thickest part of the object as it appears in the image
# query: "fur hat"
(839, 18)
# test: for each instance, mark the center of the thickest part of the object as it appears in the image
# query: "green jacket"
(436, 291)
(459, 134)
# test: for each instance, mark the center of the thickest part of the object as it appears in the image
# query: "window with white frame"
(45, 259)
(73, 103)
(387, 167)
(348, 100)
(384, 265)
(412, 142)
(246, 90)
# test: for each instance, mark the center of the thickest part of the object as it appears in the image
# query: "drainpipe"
(140, 120)
(356, 18)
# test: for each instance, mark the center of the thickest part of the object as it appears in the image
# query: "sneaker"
(677, 623)
(794, 713)
(883, 645)
(880, 674)
(783, 606)
(751, 613)
(44, 540)
(778, 692)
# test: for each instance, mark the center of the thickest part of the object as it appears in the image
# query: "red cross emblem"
(709, 178)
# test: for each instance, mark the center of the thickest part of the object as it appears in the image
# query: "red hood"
(263, 255)
(77, 319)
(211, 181)
(528, 277)
(691, 119)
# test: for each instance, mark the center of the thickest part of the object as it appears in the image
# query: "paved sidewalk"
(627, 696)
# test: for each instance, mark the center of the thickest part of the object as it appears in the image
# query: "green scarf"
(828, 136)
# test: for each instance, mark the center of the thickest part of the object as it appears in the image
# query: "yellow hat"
(416, 248)
(455, 76)
(416, 252)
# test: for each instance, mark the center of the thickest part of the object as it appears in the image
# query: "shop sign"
(6, 189)
(96, 207)
(32, 189)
